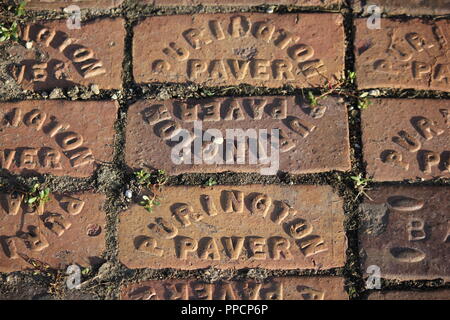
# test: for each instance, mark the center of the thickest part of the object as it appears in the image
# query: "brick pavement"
(82, 110)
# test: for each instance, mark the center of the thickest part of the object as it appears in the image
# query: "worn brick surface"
(57, 137)
(229, 49)
(320, 3)
(236, 227)
(70, 229)
(70, 57)
(411, 295)
(311, 139)
(15, 290)
(304, 288)
(407, 139)
(403, 54)
(406, 232)
(409, 7)
(61, 4)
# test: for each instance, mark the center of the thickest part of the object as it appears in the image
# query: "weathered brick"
(56, 137)
(301, 50)
(279, 288)
(409, 7)
(403, 54)
(407, 139)
(411, 295)
(310, 3)
(61, 4)
(15, 288)
(70, 229)
(272, 227)
(71, 57)
(405, 231)
(312, 139)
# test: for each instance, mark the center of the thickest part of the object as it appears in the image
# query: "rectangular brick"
(411, 295)
(273, 227)
(279, 288)
(320, 3)
(301, 50)
(411, 54)
(70, 229)
(92, 54)
(311, 139)
(61, 4)
(56, 137)
(405, 231)
(409, 7)
(407, 139)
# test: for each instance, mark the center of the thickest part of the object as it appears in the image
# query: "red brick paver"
(70, 229)
(304, 288)
(272, 227)
(403, 54)
(405, 231)
(311, 139)
(411, 295)
(230, 49)
(57, 137)
(90, 55)
(321, 3)
(61, 4)
(409, 7)
(407, 139)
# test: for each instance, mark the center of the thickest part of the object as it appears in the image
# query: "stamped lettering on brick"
(407, 139)
(59, 235)
(403, 54)
(304, 288)
(230, 49)
(72, 56)
(236, 227)
(61, 4)
(56, 137)
(311, 139)
(406, 232)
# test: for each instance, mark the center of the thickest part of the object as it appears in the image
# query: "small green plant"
(20, 11)
(153, 182)
(143, 177)
(148, 203)
(210, 182)
(312, 99)
(147, 179)
(361, 184)
(351, 77)
(352, 292)
(161, 177)
(363, 101)
(37, 197)
(343, 86)
(207, 93)
(86, 271)
(11, 31)
(39, 267)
